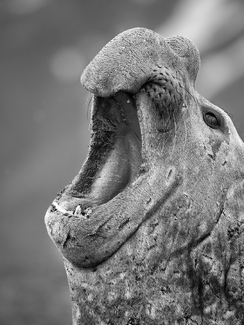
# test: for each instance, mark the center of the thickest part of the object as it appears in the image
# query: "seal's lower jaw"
(114, 158)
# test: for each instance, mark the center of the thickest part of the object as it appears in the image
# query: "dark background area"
(44, 47)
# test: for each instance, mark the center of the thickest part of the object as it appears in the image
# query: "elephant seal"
(151, 228)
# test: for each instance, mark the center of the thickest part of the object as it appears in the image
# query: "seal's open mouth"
(114, 157)
(115, 151)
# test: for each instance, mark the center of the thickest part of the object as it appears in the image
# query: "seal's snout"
(128, 61)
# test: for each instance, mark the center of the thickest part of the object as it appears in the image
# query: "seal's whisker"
(175, 136)
(88, 108)
(187, 91)
(185, 141)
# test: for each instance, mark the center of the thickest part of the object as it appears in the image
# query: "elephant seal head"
(163, 178)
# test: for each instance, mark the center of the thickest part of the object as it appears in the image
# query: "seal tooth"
(60, 208)
(87, 212)
(77, 210)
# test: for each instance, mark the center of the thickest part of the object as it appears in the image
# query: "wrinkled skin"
(151, 229)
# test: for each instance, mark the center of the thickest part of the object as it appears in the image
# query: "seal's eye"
(211, 119)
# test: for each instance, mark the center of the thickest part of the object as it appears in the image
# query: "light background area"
(44, 46)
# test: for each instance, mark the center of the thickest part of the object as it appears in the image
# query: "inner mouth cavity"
(114, 156)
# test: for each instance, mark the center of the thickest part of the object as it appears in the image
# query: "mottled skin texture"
(158, 234)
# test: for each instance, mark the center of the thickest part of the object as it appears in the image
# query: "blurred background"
(44, 47)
